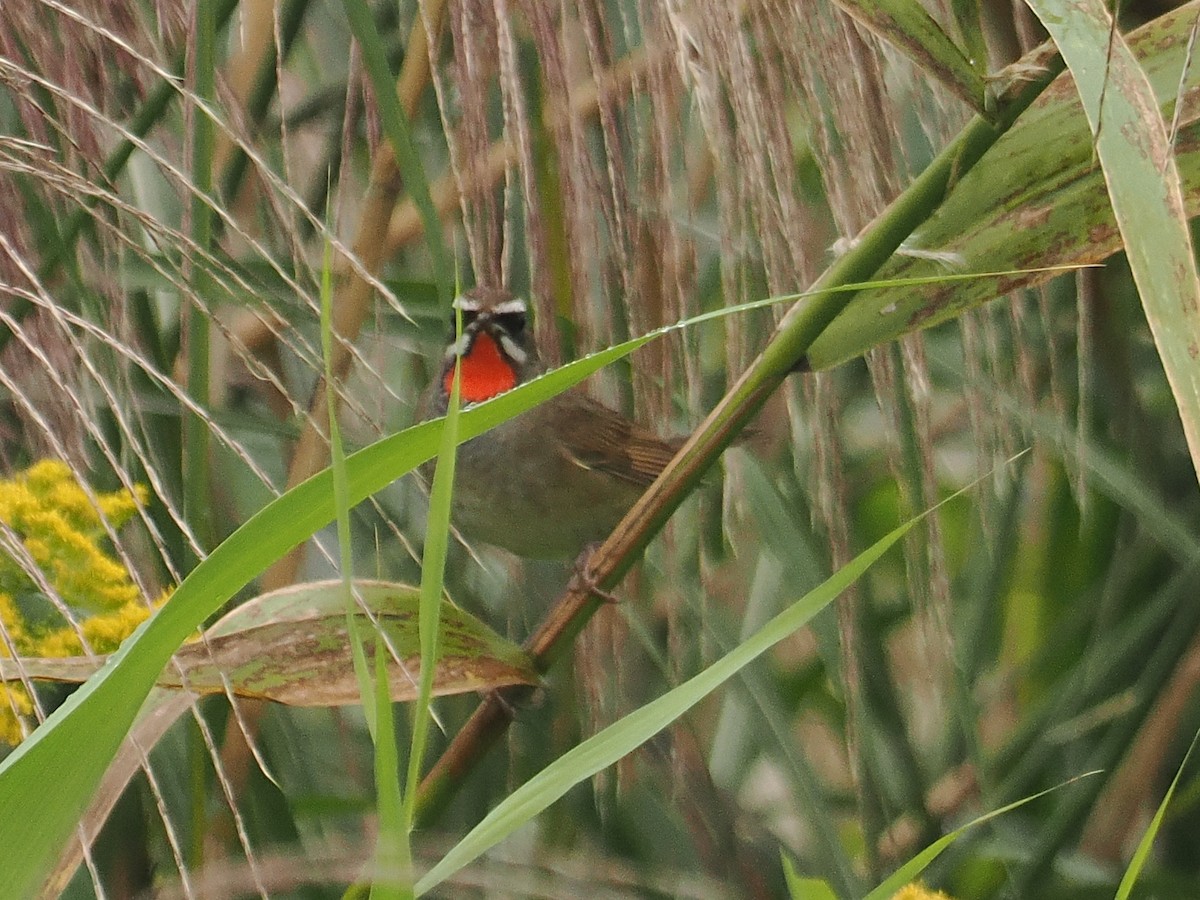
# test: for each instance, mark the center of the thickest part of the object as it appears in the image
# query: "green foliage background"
(170, 178)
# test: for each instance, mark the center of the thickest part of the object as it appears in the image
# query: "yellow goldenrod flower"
(61, 529)
(46, 474)
(104, 632)
(917, 891)
(14, 704)
(16, 500)
(13, 625)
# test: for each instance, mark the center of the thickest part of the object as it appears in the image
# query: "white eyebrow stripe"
(465, 303)
(515, 305)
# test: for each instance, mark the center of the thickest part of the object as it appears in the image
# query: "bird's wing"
(596, 437)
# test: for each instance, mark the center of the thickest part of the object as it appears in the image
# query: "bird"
(554, 480)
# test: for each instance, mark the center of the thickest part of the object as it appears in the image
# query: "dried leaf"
(290, 646)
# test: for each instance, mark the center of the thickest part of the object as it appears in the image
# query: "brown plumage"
(555, 478)
(596, 437)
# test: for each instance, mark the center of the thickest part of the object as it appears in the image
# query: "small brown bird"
(554, 479)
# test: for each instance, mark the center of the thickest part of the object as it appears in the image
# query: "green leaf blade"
(633, 730)
(1144, 188)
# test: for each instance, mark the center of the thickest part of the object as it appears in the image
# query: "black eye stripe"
(512, 322)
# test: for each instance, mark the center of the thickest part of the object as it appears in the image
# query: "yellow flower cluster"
(103, 631)
(14, 706)
(60, 529)
(918, 892)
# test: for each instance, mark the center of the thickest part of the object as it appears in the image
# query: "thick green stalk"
(197, 476)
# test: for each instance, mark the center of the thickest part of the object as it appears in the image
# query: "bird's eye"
(512, 322)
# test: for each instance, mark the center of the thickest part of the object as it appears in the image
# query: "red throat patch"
(485, 371)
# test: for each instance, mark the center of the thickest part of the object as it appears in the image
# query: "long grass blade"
(197, 440)
(1143, 186)
(617, 740)
(1142, 853)
(915, 866)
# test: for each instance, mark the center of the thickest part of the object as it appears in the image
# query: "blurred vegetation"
(169, 176)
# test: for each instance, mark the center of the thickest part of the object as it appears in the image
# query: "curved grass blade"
(1143, 848)
(289, 646)
(801, 888)
(915, 866)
